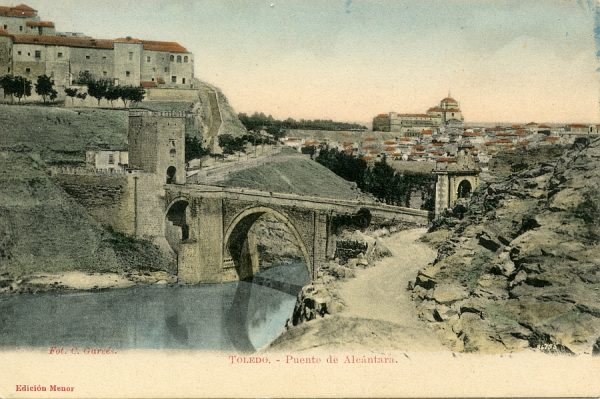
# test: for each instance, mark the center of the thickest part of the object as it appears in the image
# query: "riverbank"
(73, 281)
(374, 310)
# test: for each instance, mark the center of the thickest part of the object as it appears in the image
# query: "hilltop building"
(30, 47)
(446, 115)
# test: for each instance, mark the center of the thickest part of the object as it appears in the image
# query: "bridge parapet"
(303, 201)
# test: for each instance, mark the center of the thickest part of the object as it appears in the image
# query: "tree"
(71, 92)
(112, 93)
(82, 96)
(45, 87)
(231, 144)
(21, 87)
(98, 88)
(131, 93)
(6, 83)
(310, 150)
(193, 148)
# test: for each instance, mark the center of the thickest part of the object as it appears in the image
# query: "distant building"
(448, 113)
(107, 159)
(30, 47)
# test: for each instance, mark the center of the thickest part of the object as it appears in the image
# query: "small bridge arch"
(239, 244)
(178, 222)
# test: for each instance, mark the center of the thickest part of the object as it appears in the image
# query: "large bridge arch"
(239, 245)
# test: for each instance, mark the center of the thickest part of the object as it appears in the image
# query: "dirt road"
(378, 311)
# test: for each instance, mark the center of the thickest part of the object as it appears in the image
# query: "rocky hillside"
(519, 266)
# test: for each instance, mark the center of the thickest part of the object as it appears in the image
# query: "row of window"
(38, 54)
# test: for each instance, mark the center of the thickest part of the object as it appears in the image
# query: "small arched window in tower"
(172, 57)
(171, 170)
(464, 189)
(178, 58)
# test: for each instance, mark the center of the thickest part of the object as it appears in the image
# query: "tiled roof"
(64, 41)
(171, 47)
(21, 11)
(44, 24)
(97, 43)
(24, 7)
(5, 33)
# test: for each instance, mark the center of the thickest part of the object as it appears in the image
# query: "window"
(166, 69)
(153, 79)
(148, 59)
(18, 52)
(104, 73)
(130, 56)
(28, 54)
(178, 58)
(111, 159)
(5, 26)
(59, 55)
(87, 57)
(20, 28)
(174, 79)
(185, 59)
(153, 69)
(104, 57)
(127, 73)
(183, 80)
(27, 70)
(38, 54)
(172, 57)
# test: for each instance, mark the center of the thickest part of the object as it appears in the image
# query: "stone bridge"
(209, 227)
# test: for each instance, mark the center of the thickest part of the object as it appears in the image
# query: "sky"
(504, 61)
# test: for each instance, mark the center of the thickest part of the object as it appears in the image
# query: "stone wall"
(107, 198)
(173, 94)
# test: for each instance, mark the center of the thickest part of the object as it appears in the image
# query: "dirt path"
(378, 312)
(380, 292)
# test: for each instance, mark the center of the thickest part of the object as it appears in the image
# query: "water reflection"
(241, 316)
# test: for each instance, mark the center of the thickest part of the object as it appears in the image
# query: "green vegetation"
(104, 88)
(193, 148)
(231, 144)
(15, 86)
(276, 128)
(380, 179)
(45, 88)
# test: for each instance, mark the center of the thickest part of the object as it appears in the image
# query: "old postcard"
(280, 198)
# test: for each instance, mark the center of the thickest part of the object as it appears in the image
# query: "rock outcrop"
(519, 267)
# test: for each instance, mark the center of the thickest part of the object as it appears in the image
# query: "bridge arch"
(178, 226)
(243, 253)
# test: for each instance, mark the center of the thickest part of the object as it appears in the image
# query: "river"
(239, 316)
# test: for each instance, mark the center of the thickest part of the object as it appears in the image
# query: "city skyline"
(350, 60)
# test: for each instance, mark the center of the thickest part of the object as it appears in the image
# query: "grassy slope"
(296, 175)
(41, 227)
(60, 134)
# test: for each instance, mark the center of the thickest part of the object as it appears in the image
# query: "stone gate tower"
(455, 181)
(157, 144)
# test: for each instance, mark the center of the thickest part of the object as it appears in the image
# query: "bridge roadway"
(338, 206)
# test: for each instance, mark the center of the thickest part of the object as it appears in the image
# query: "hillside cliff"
(519, 265)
